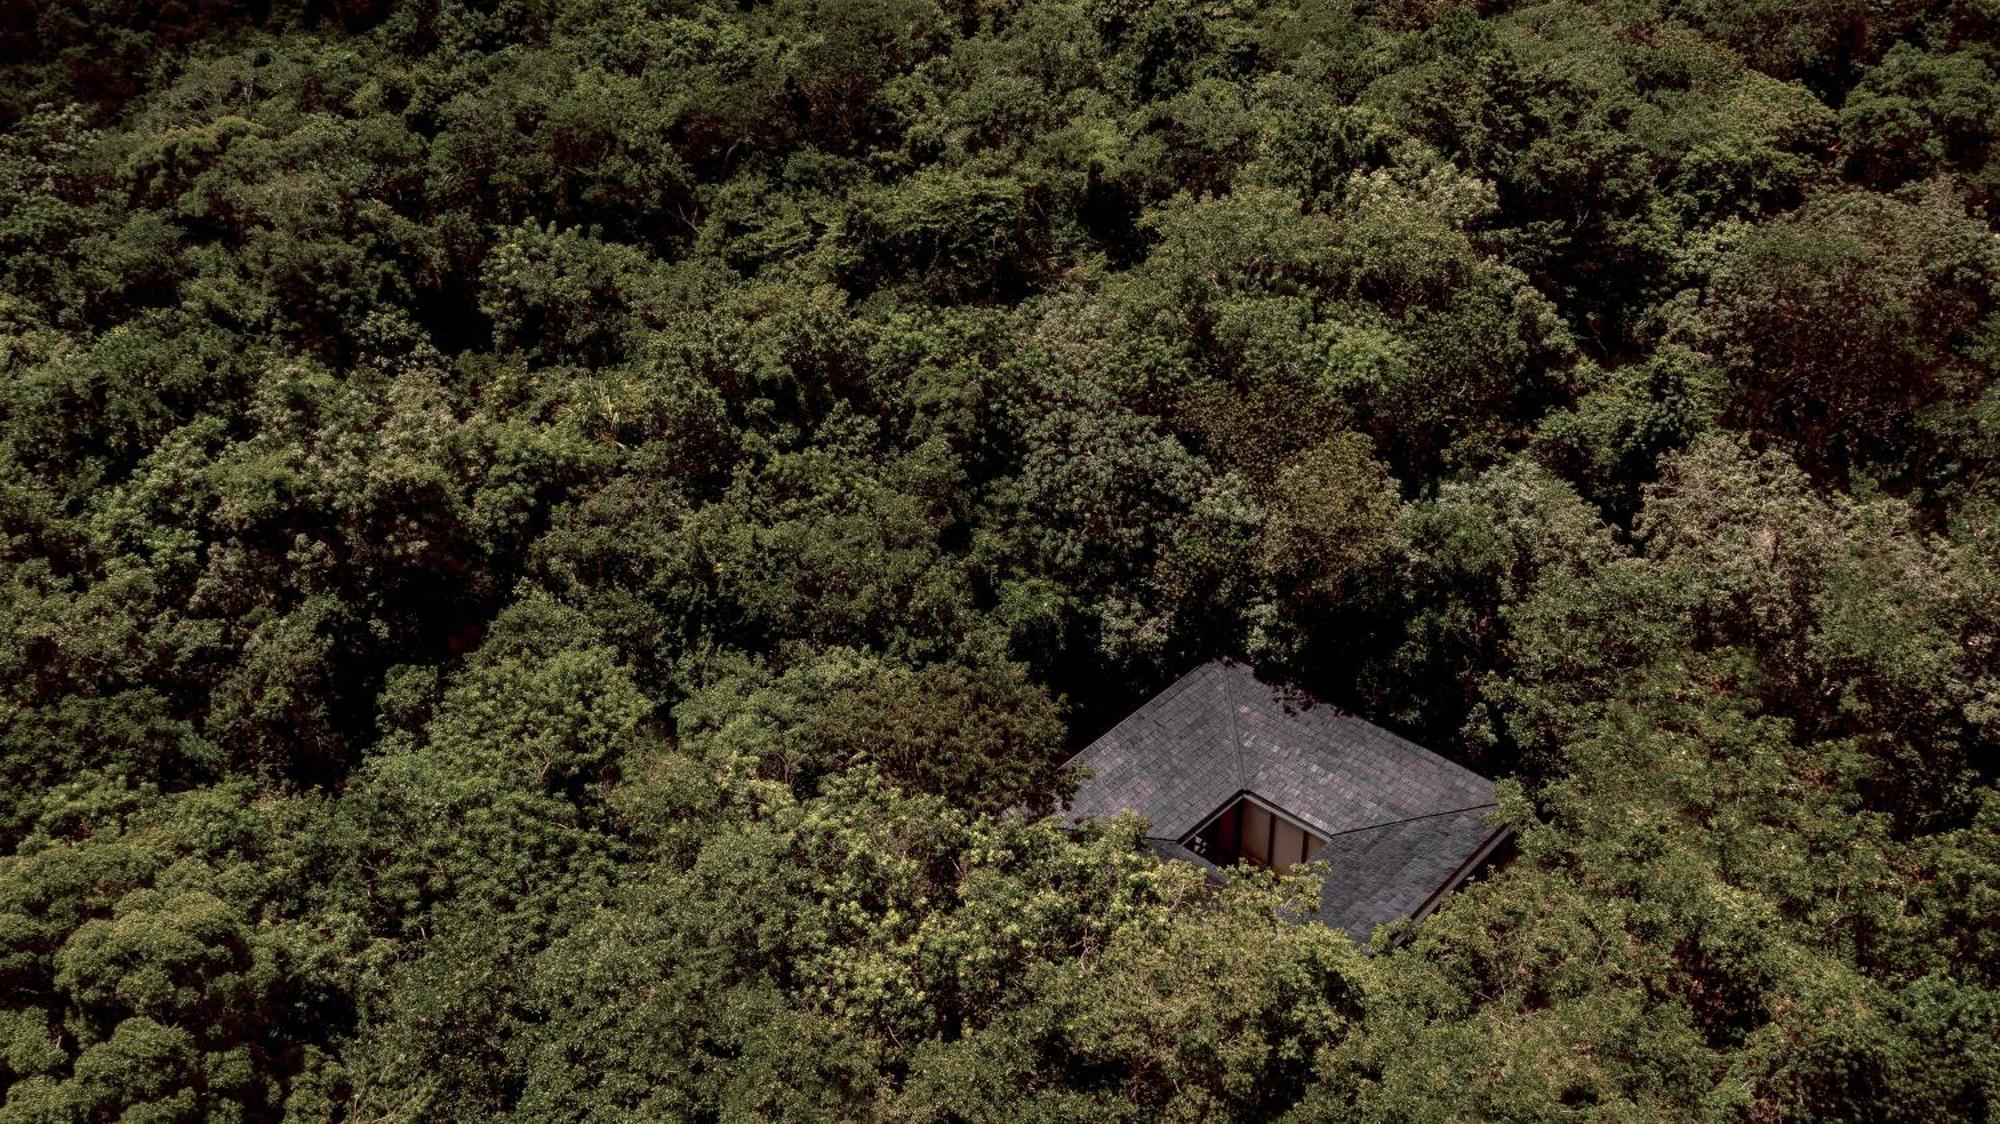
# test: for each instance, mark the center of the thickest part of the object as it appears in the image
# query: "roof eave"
(1458, 876)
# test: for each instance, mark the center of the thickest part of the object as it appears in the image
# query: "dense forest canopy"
(545, 544)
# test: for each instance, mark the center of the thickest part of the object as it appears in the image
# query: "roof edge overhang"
(1458, 876)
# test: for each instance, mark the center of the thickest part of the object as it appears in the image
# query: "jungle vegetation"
(545, 546)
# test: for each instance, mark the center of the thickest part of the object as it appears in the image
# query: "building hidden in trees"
(1228, 768)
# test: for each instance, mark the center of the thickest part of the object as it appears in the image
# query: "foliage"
(552, 552)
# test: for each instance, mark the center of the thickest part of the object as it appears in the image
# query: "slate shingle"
(1401, 823)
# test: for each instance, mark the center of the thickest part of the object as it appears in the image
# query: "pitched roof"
(1403, 825)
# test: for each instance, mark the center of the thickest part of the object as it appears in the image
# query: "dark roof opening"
(1248, 830)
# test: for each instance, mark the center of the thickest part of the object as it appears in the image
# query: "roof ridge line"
(1234, 707)
(1411, 819)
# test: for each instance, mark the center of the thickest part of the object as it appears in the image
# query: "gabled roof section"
(1403, 825)
(1331, 770)
(1402, 870)
(1173, 760)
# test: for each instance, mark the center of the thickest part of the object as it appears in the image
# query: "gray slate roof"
(1403, 826)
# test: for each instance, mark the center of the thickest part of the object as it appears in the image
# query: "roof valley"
(1413, 819)
(1233, 706)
